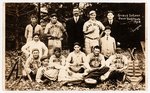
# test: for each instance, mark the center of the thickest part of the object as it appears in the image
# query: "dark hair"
(57, 49)
(97, 47)
(75, 8)
(35, 49)
(77, 43)
(110, 11)
(35, 34)
(43, 58)
(107, 27)
(53, 14)
(33, 16)
(119, 50)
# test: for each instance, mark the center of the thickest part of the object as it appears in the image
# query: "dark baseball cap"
(53, 14)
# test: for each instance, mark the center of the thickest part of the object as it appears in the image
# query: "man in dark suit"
(74, 28)
(115, 26)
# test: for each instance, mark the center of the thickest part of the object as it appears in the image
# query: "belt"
(90, 38)
(53, 38)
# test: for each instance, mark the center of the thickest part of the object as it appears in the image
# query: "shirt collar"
(76, 17)
(107, 36)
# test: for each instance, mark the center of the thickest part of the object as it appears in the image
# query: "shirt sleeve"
(41, 29)
(26, 32)
(102, 27)
(68, 59)
(39, 75)
(24, 49)
(114, 44)
(51, 61)
(62, 27)
(45, 49)
(85, 27)
(46, 29)
(103, 61)
(27, 64)
(125, 62)
(108, 61)
(87, 62)
(63, 61)
(84, 58)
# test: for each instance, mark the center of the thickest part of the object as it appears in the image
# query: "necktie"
(33, 28)
(107, 38)
(76, 19)
(110, 21)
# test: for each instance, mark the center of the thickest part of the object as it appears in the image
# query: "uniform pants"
(116, 75)
(89, 44)
(29, 39)
(97, 73)
(52, 44)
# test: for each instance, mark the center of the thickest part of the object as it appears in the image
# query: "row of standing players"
(88, 34)
(101, 62)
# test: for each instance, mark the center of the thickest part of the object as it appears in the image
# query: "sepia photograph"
(75, 46)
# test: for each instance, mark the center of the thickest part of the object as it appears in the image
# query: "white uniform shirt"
(90, 57)
(29, 30)
(93, 25)
(32, 64)
(57, 62)
(55, 30)
(29, 46)
(117, 62)
(76, 58)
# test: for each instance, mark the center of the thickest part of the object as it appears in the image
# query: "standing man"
(115, 26)
(54, 31)
(32, 28)
(92, 30)
(74, 28)
(108, 44)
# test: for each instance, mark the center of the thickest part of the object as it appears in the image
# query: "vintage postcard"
(75, 46)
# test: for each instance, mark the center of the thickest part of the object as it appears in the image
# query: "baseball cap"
(107, 27)
(119, 50)
(43, 58)
(53, 14)
(92, 12)
(77, 43)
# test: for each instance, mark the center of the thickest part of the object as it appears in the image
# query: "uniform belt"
(90, 38)
(53, 38)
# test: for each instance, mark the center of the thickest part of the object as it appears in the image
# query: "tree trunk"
(16, 28)
(39, 12)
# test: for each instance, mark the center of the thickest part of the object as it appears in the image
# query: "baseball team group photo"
(75, 46)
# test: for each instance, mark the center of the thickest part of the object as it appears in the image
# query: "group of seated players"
(91, 68)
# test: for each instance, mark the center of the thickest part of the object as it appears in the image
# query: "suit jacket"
(75, 30)
(115, 29)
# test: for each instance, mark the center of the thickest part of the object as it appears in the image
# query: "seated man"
(75, 63)
(57, 61)
(42, 72)
(35, 43)
(95, 65)
(51, 70)
(32, 64)
(117, 63)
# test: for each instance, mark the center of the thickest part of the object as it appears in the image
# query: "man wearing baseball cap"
(92, 29)
(54, 31)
